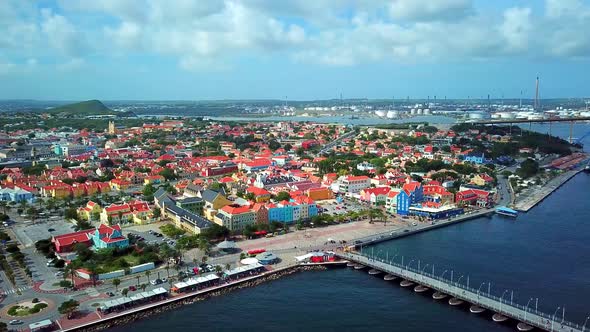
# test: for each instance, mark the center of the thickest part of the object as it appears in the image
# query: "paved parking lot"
(30, 232)
(333, 207)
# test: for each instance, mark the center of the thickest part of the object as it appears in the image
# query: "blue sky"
(253, 49)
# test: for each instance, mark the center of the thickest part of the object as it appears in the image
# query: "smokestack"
(536, 106)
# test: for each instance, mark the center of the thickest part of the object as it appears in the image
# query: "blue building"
(16, 195)
(411, 194)
(109, 237)
(476, 158)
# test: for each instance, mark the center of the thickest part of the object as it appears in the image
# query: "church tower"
(112, 129)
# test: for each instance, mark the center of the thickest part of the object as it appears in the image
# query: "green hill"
(85, 108)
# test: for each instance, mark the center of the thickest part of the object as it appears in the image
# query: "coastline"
(524, 204)
(171, 303)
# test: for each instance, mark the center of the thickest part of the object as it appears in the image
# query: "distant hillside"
(90, 107)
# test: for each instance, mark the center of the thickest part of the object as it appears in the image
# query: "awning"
(227, 245)
(40, 324)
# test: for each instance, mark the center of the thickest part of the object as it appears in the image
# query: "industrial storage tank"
(392, 114)
(427, 111)
(413, 111)
(419, 111)
(495, 115)
(476, 115)
(380, 113)
(507, 115)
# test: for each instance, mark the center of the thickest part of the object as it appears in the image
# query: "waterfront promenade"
(527, 200)
(480, 298)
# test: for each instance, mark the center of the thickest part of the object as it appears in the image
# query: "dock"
(524, 204)
(421, 227)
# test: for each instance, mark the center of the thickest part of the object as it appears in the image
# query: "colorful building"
(235, 217)
(411, 193)
(109, 237)
(375, 196)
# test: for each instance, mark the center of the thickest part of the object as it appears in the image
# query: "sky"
(294, 49)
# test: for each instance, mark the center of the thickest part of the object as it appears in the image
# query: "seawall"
(527, 203)
(172, 303)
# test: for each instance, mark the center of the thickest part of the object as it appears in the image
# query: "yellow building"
(86, 212)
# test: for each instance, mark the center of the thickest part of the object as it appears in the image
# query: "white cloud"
(214, 33)
(61, 34)
(517, 27)
(71, 65)
(431, 10)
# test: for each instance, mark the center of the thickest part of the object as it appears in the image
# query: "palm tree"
(227, 266)
(143, 287)
(93, 269)
(147, 274)
(71, 270)
(218, 270)
(204, 259)
(125, 291)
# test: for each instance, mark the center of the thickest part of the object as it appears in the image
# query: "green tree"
(147, 274)
(68, 308)
(116, 283)
(125, 291)
(283, 196)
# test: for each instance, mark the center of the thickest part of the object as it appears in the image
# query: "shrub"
(13, 310)
(37, 307)
(65, 284)
(35, 300)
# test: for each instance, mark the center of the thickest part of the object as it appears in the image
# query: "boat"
(505, 211)
(499, 318)
(439, 295)
(420, 289)
(374, 272)
(406, 283)
(359, 267)
(350, 264)
(523, 327)
(389, 277)
(455, 301)
(476, 310)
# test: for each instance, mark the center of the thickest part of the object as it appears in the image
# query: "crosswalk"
(15, 290)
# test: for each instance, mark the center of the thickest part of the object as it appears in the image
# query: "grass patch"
(171, 231)
(20, 311)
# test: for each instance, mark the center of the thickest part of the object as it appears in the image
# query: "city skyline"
(223, 50)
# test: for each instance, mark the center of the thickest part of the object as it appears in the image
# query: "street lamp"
(408, 266)
(459, 280)
(526, 308)
(553, 317)
(424, 268)
(442, 278)
(584, 326)
(483, 283)
(501, 302)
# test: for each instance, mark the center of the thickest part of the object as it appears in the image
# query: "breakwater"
(156, 308)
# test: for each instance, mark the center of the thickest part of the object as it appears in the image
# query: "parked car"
(156, 282)
(110, 294)
(164, 280)
(51, 229)
(16, 322)
(132, 288)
